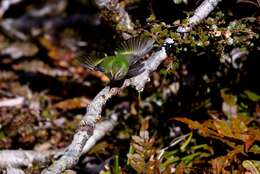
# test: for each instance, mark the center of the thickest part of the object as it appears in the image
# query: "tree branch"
(94, 109)
(205, 8)
(12, 170)
(21, 158)
(5, 4)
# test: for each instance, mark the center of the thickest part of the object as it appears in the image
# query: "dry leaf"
(74, 103)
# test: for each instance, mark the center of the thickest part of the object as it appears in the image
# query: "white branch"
(94, 109)
(100, 131)
(205, 8)
(5, 4)
(21, 158)
(12, 170)
(18, 101)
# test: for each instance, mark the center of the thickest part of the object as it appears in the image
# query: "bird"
(125, 62)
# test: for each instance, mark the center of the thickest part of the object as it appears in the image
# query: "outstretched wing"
(89, 62)
(135, 69)
(135, 48)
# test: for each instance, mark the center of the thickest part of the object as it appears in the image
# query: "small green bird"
(126, 61)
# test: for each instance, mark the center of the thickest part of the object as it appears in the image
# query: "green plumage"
(125, 62)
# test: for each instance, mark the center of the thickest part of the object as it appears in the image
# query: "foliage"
(198, 114)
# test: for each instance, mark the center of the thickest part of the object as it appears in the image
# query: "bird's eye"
(119, 74)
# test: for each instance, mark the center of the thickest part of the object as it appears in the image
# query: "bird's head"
(116, 67)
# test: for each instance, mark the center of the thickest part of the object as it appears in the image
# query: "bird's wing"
(89, 62)
(135, 69)
(135, 48)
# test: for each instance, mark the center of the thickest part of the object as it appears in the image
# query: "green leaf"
(116, 169)
(252, 96)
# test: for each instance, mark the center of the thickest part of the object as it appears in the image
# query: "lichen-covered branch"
(205, 8)
(12, 102)
(22, 158)
(100, 131)
(5, 4)
(71, 154)
(12, 170)
(150, 65)
(88, 123)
